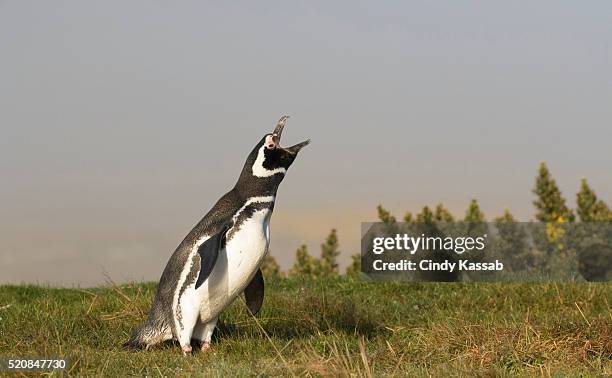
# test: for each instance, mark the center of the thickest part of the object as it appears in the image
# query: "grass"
(331, 327)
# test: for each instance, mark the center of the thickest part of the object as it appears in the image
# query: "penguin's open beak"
(296, 148)
(278, 132)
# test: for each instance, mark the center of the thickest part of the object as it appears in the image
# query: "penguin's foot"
(205, 346)
(186, 350)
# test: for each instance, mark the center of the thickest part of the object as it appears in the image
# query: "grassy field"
(331, 327)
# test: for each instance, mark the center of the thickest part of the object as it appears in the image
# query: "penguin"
(220, 257)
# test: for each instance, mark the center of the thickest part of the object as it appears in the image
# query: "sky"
(122, 123)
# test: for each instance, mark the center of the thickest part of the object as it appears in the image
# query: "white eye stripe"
(260, 171)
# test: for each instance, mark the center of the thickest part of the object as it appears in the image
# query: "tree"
(408, 217)
(473, 213)
(589, 208)
(304, 263)
(442, 214)
(425, 216)
(473, 226)
(355, 267)
(270, 267)
(550, 204)
(322, 267)
(591, 238)
(385, 216)
(329, 252)
(505, 218)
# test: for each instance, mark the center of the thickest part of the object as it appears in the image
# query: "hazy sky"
(122, 122)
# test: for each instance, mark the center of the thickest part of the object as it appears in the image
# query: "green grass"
(330, 327)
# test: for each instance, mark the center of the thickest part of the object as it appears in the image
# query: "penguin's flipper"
(208, 251)
(254, 293)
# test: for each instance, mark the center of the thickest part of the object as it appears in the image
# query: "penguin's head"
(268, 158)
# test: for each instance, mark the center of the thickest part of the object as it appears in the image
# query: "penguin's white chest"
(236, 264)
(247, 247)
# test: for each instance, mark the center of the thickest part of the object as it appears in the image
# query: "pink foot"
(186, 350)
(205, 346)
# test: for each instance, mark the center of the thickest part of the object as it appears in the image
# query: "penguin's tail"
(146, 335)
